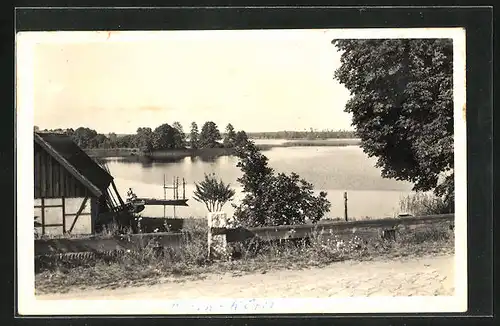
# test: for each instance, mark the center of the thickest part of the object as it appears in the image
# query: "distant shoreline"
(135, 153)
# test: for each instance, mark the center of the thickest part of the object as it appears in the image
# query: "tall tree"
(144, 139)
(83, 137)
(194, 136)
(241, 138)
(164, 137)
(402, 107)
(210, 135)
(100, 140)
(230, 136)
(181, 136)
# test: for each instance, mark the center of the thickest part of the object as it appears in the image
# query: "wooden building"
(70, 188)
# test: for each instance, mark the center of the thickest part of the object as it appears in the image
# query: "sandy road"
(412, 277)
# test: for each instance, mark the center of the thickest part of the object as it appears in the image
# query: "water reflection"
(333, 169)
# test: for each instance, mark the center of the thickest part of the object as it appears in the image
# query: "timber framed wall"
(62, 203)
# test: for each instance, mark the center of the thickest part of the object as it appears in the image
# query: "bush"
(214, 194)
(274, 199)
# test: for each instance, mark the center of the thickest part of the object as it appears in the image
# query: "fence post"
(345, 205)
(217, 243)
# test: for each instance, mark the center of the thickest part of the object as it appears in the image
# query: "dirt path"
(416, 277)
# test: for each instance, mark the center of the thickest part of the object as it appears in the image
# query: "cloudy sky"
(256, 80)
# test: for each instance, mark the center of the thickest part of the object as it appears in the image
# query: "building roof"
(62, 148)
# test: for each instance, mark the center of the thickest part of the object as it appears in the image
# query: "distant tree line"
(164, 137)
(306, 134)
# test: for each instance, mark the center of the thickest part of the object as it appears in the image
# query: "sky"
(256, 80)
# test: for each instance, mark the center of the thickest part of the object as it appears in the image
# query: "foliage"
(127, 141)
(194, 136)
(144, 139)
(274, 199)
(254, 166)
(230, 137)
(214, 194)
(165, 137)
(241, 138)
(421, 204)
(84, 137)
(209, 135)
(181, 136)
(402, 106)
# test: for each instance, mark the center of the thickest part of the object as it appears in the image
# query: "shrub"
(214, 194)
(274, 199)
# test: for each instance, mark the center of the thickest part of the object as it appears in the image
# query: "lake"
(334, 169)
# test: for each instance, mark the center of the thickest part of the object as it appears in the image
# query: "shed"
(70, 188)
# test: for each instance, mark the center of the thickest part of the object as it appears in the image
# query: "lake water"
(331, 169)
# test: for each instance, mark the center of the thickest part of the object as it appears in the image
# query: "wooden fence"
(364, 228)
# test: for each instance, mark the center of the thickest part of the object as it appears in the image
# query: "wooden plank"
(67, 191)
(50, 180)
(57, 188)
(62, 185)
(300, 231)
(43, 215)
(43, 159)
(51, 225)
(63, 214)
(78, 214)
(36, 166)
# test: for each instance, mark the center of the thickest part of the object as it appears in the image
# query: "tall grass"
(149, 263)
(420, 204)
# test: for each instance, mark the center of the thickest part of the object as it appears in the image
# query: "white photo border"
(29, 305)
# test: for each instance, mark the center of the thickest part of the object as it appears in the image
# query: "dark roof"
(76, 161)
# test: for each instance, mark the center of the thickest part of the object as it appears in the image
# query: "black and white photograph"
(241, 171)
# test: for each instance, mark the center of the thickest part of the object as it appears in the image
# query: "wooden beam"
(48, 206)
(49, 225)
(78, 213)
(75, 214)
(117, 193)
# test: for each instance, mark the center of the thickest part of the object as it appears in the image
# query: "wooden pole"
(177, 188)
(183, 189)
(345, 205)
(164, 195)
(173, 191)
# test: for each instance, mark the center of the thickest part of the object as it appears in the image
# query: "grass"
(146, 265)
(421, 204)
